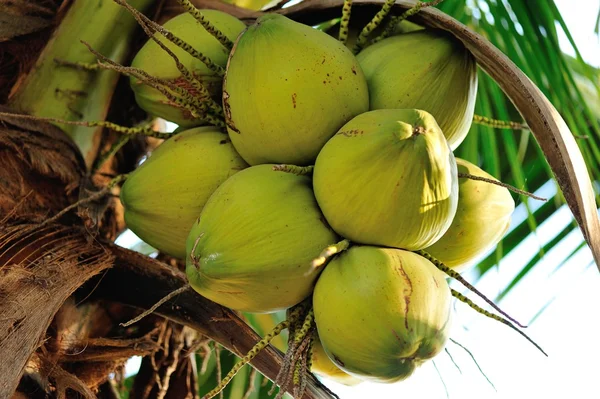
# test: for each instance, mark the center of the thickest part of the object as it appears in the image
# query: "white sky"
(580, 16)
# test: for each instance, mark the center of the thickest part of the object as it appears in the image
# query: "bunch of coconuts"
(327, 179)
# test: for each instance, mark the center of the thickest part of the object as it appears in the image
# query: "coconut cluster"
(322, 146)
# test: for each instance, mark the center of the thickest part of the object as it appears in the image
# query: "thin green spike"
(184, 99)
(297, 373)
(306, 363)
(296, 170)
(452, 360)
(345, 21)
(94, 197)
(294, 317)
(210, 28)
(311, 349)
(108, 64)
(499, 124)
(150, 26)
(455, 275)
(85, 66)
(499, 183)
(197, 85)
(491, 315)
(372, 25)
(263, 343)
(441, 379)
(114, 148)
(306, 327)
(109, 125)
(474, 361)
(391, 25)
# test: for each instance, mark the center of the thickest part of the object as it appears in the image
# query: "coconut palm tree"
(68, 293)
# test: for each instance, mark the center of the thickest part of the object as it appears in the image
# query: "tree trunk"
(40, 268)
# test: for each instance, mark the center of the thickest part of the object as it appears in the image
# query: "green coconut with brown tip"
(381, 312)
(164, 196)
(482, 218)
(251, 248)
(388, 177)
(288, 89)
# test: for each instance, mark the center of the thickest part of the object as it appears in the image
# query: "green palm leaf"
(527, 32)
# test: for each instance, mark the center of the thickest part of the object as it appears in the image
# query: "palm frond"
(527, 32)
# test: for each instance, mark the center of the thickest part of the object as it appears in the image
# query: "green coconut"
(324, 367)
(288, 89)
(165, 195)
(381, 312)
(252, 247)
(154, 60)
(428, 70)
(253, 4)
(482, 218)
(388, 177)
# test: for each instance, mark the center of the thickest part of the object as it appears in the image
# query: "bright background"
(558, 299)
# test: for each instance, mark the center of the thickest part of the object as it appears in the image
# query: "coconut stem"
(301, 370)
(210, 28)
(502, 320)
(499, 183)
(150, 26)
(306, 326)
(499, 124)
(294, 370)
(328, 253)
(94, 197)
(296, 373)
(107, 63)
(452, 360)
(474, 361)
(391, 25)
(296, 170)
(189, 77)
(441, 379)
(311, 349)
(345, 21)
(372, 25)
(455, 275)
(116, 146)
(296, 378)
(146, 131)
(263, 343)
(83, 66)
(295, 317)
(168, 297)
(185, 99)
